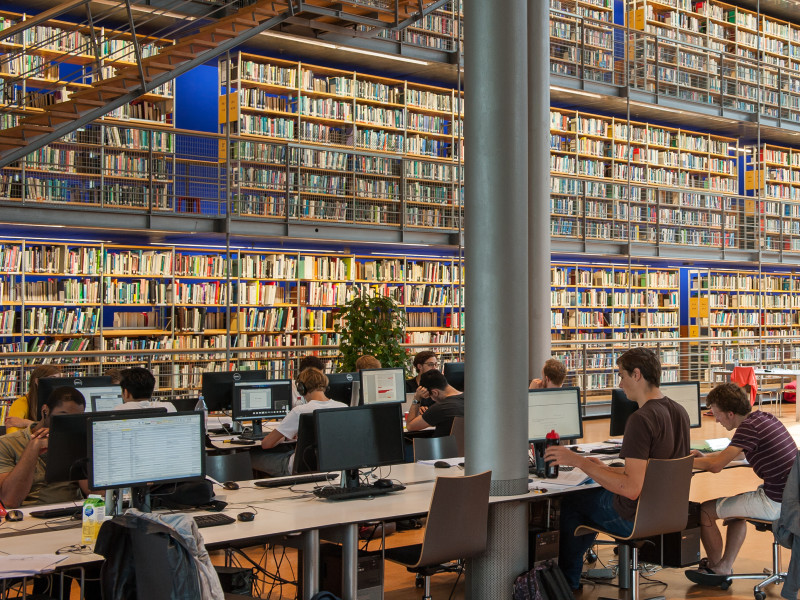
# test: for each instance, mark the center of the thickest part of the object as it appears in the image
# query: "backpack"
(544, 582)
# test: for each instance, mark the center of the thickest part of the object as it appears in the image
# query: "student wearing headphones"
(305, 362)
(271, 458)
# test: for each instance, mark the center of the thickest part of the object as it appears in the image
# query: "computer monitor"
(621, 409)
(454, 373)
(687, 394)
(362, 437)
(382, 385)
(340, 387)
(216, 386)
(100, 392)
(554, 409)
(257, 400)
(67, 456)
(136, 451)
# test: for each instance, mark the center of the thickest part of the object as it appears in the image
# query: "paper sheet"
(22, 565)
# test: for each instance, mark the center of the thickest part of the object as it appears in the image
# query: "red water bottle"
(551, 439)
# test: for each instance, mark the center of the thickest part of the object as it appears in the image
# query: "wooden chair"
(457, 431)
(456, 529)
(435, 448)
(232, 466)
(663, 508)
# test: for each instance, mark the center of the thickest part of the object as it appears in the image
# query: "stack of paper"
(25, 565)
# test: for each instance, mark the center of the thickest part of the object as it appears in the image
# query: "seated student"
(553, 374)
(423, 361)
(137, 385)
(448, 403)
(23, 457)
(278, 462)
(115, 374)
(306, 362)
(659, 429)
(24, 411)
(770, 450)
(367, 361)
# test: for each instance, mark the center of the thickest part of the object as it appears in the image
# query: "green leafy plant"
(371, 325)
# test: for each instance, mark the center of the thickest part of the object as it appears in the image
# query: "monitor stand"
(140, 498)
(350, 478)
(256, 433)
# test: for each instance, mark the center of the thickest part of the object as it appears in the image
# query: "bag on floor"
(544, 582)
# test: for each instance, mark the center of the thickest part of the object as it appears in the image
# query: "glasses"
(433, 364)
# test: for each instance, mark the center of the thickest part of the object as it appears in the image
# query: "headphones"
(301, 387)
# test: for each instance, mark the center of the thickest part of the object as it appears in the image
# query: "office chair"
(663, 508)
(231, 466)
(305, 452)
(457, 431)
(777, 575)
(745, 377)
(435, 447)
(457, 525)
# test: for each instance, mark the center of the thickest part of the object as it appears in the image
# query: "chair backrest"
(233, 466)
(457, 431)
(435, 447)
(664, 501)
(457, 519)
(305, 453)
(745, 377)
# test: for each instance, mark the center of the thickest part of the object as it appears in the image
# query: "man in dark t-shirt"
(770, 450)
(659, 429)
(448, 403)
(423, 361)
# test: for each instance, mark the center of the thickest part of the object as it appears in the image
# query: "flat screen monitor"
(554, 409)
(621, 409)
(687, 394)
(100, 392)
(361, 437)
(67, 456)
(257, 400)
(216, 386)
(134, 451)
(454, 373)
(379, 386)
(340, 386)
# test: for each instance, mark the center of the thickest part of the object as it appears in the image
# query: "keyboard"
(213, 519)
(362, 491)
(54, 513)
(295, 479)
(605, 450)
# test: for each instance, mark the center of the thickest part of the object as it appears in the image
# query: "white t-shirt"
(146, 404)
(291, 422)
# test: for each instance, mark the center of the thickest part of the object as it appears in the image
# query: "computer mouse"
(441, 464)
(231, 485)
(246, 516)
(616, 463)
(383, 483)
(14, 515)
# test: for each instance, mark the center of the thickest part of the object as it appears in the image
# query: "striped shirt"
(769, 448)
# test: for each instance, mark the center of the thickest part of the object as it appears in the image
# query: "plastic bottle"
(551, 439)
(201, 405)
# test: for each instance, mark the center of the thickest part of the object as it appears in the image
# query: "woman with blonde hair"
(25, 409)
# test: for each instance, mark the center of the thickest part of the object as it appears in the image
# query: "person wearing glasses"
(423, 361)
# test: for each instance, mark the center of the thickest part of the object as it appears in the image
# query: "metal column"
(496, 264)
(538, 184)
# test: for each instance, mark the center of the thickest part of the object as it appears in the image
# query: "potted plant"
(371, 325)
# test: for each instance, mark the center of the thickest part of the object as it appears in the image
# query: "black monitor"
(135, 451)
(216, 386)
(554, 409)
(366, 436)
(687, 394)
(340, 387)
(67, 456)
(454, 373)
(621, 409)
(100, 392)
(257, 400)
(379, 386)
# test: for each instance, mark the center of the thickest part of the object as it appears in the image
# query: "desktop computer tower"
(679, 549)
(542, 546)
(370, 572)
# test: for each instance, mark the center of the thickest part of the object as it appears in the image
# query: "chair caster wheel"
(725, 585)
(591, 556)
(760, 595)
